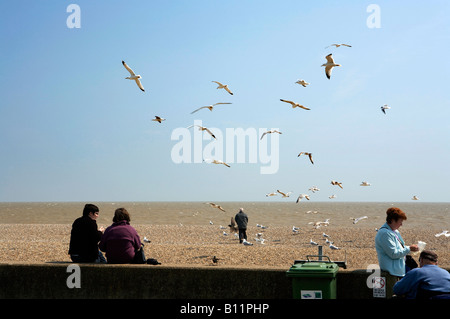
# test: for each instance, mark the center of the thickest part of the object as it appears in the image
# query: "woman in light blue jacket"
(390, 246)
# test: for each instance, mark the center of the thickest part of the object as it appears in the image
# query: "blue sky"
(74, 129)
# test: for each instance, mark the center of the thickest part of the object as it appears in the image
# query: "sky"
(73, 128)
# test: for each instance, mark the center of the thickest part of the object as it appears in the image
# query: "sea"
(420, 215)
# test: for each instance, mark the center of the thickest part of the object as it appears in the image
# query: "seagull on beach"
(333, 246)
(337, 183)
(210, 107)
(329, 65)
(301, 196)
(158, 119)
(302, 82)
(133, 76)
(203, 128)
(338, 45)
(146, 240)
(313, 243)
(384, 108)
(309, 155)
(364, 184)
(221, 86)
(270, 132)
(295, 229)
(294, 104)
(246, 243)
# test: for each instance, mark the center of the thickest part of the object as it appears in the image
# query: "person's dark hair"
(121, 214)
(394, 213)
(426, 254)
(89, 208)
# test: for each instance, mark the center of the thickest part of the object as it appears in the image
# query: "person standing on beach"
(84, 237)
(389, 244)
(241, 220)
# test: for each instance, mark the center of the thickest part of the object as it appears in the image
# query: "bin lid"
(317, 269)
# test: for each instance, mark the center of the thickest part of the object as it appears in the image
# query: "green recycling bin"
(313, 280)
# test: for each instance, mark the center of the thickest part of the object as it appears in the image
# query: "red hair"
(395, 214)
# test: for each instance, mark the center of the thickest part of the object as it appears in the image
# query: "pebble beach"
(196, 245)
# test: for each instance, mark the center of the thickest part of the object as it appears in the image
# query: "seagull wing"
(346, 45)
(203, 107)
(328, 70)
(263, 135)
(228, 90)
(220, 103)
(128, 68)
(138, 82)
(207, 130)
(290, 102)
(310, 158)
(220, 84)
(329, 58)
(303, 107)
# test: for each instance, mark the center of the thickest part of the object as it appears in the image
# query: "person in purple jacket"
(120, 240)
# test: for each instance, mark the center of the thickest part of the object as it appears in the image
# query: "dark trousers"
(242, 234)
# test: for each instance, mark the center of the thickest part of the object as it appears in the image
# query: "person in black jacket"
(84, 237)
(241, 220)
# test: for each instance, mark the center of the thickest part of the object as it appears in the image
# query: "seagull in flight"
(384, 108)
(329, 65)
(202, 128)
(214, 161)
(270, 132)
(415, 197)
(337, 183)
(306, 153)
(364, 184)
(271, 194)
(221, 86)
(355, 220)
(216, 206)
(332, 196)
(284, 194)
(133, 76)
(301, 196)
(210, 107)
(314, 189)
(294, 105)
(158, 119)
(302, 82)
(338, 45)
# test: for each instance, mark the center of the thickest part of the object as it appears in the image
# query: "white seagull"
(158, 119)
(364, 184)
(337, 183)
(295, 229)
(384, 108)
(203, 128)
(446, 233)
(313, 242)
(221, 86)
(314, 189)
(210, 107)
(133, 76)
(284, 194)
(302, 82)
(329, 65)
(294, 104)
(415, 197)
(332, 196)
(309, 155)
(271, 194)
(355, 220)
(247, 243)
(270, 132)
(214, 161)
(337, 45)
(216, 206)
(301, 196)
(333, 247)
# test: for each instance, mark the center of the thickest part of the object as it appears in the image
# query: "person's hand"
(414, 247)
(102, 229)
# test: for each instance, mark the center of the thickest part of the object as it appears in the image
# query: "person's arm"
(389, 245)
(407, 284)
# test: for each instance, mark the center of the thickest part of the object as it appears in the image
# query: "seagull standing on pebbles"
(294, 104)
(329, 65)
(221, 86)
(133, 76)
(313, 243)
